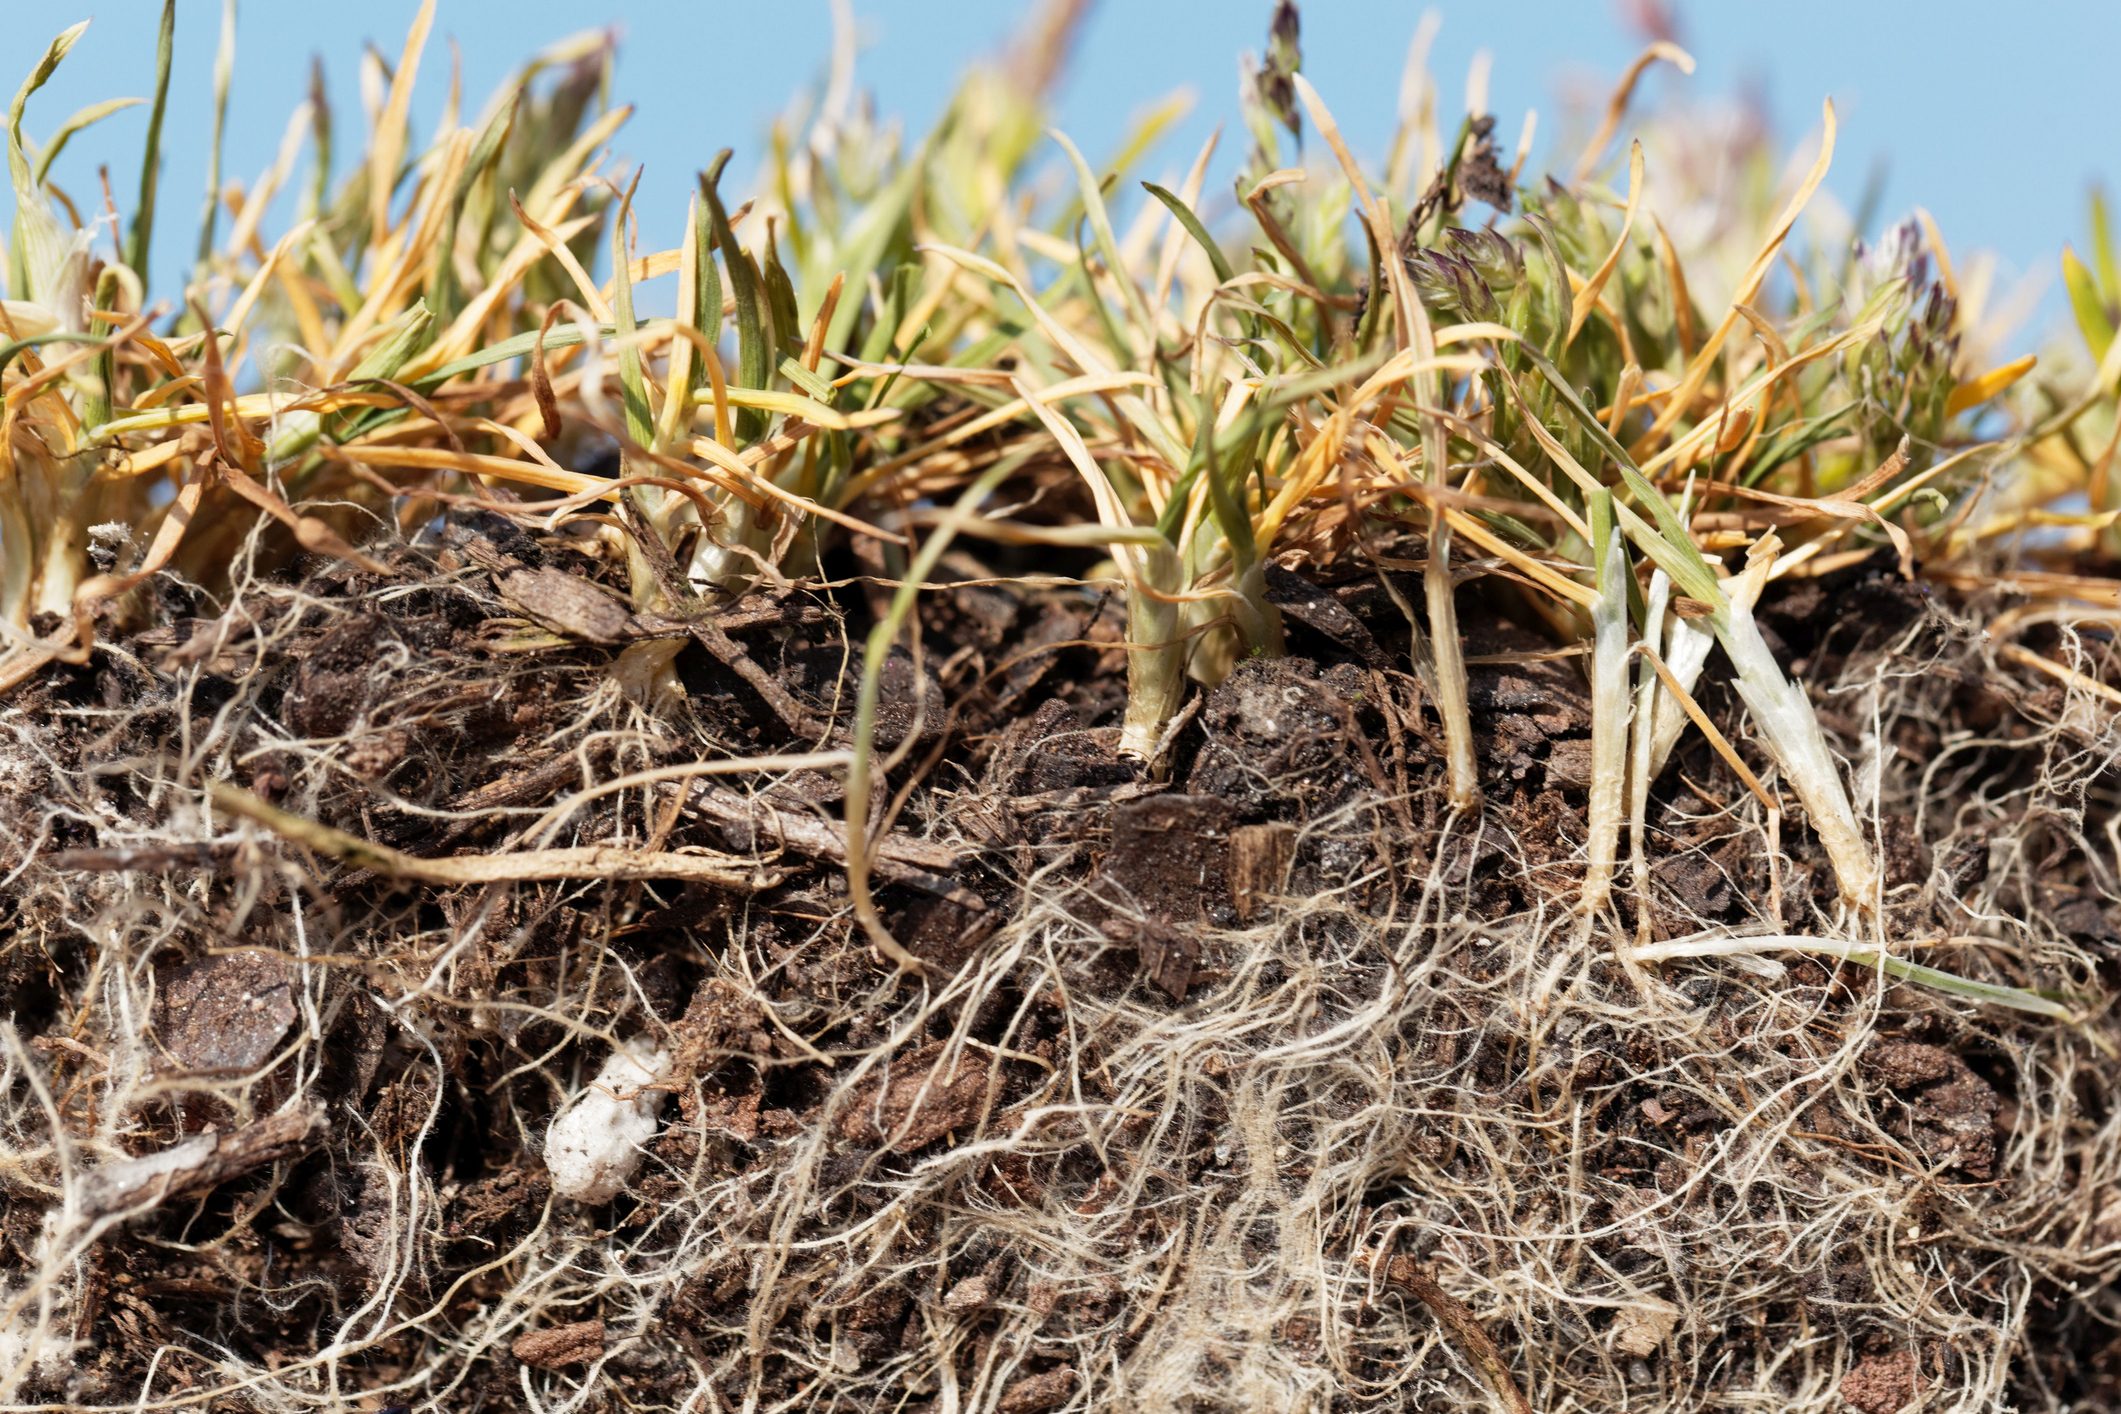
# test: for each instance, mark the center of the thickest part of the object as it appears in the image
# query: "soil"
(1197, 1046)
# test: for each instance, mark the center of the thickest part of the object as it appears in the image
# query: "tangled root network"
(1408, 1135)
(1003, 812)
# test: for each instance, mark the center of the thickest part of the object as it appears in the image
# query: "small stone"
(222, 1014)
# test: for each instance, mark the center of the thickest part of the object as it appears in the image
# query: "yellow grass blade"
(1976, 391)
(1587, 297)
(389, 145)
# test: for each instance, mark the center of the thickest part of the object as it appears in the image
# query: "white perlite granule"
(594, 1144)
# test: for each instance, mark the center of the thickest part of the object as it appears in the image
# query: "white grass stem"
(1784, 715)
(1610, 708)
(1642, 758)
(1449, 654)
(727, 557)
(1156, 657)
(1686, 653)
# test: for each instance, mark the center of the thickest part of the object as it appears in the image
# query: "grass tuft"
(298, 558)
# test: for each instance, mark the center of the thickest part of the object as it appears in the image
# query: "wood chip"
(1259, 865)
(567, 604)
(921, 1102)
(1639, 1329)
(1041, 1391)
(1320, 610)
(560, 1346)
(971, 1294)
(751, 823)
(1885, 1383)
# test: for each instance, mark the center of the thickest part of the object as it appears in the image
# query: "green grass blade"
(17, 147)
(2017, 998)
(1674, 550)
(93, 113)
(444, 294)
(633, 384)
(562, 336)
(1862, 955)
(94, 403)
(2106, 258)
(707, 298)
(140, 240)
(1183, 214)
(751, 345)
(780, 303)
(1226, 495)
(1794, 439)
(897, 295)
(1101, 308)
(224, 71)
(873, 236)
(1107, 243)
(37, 252)
(2084, 302)
(318, 196)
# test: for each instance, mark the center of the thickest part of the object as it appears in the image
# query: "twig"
(526, 866)
(900, 859)
(198, 1164)
(733, 656)
(1465, 1332)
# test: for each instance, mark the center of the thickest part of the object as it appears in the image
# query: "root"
(1410, 1140)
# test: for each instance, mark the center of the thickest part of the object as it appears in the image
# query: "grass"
(1607, 405)
(1149, 342)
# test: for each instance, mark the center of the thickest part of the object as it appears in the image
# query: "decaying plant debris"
(1144, 812)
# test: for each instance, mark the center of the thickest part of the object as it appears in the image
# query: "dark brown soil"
(428, 1033)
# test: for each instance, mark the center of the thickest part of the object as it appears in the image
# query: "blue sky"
(1995, 126)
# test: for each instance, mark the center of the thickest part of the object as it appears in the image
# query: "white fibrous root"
(595, 1144)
